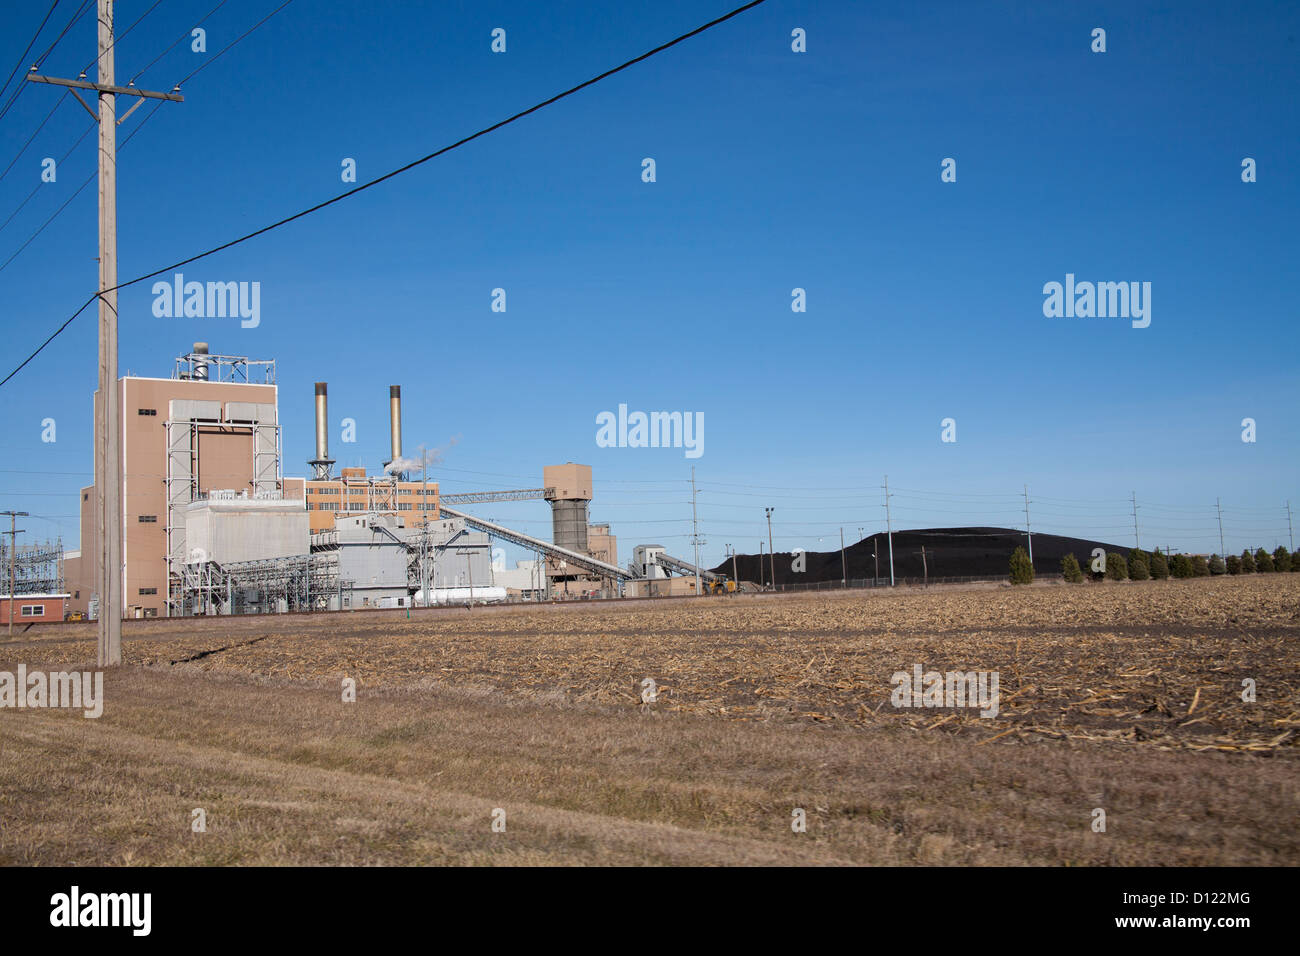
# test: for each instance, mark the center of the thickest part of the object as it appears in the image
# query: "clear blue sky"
(775, 170)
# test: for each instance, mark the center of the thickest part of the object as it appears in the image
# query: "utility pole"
(1029, 533)
(761, 574)
(844, 565)
(695, 533)
(1219, 508)
(108, 418)
(771, 554)
(1136, 546)
(13, 554)
(889, 524)
(424, 539)
(925, 568)
(1289, 534)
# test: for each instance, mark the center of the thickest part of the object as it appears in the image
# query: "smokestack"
(322, 464)
(200, 366)
(322, 422)
(395, 416)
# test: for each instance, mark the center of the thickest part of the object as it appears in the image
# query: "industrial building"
(212, 525)
(29, 608)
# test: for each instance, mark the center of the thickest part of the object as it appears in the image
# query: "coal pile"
(949, 552)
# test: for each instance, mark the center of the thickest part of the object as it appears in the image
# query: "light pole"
(770, 553)
(844, 562)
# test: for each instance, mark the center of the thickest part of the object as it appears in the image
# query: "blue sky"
(775, 170)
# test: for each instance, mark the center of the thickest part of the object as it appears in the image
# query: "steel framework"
(38, 568)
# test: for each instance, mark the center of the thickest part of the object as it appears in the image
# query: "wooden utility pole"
(771, 554)
(1028, 533)
(695, 533)
(13, 554)
(889, 525)
(108, 419)
(844, 564)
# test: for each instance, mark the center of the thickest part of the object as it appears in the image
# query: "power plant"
(211, 525)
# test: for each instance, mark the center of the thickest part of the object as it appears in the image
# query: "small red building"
(34, 608)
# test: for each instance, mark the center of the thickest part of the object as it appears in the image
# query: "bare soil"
(1126, 698)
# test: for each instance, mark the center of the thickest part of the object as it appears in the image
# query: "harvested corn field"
(1121, 695)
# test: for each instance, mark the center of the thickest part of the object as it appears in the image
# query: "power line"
(81, 12)
(84, 133)
(127, 139)
(23, 148)
(387, 176)
(30, 43)
(67, 202)
(212, 59)
(184, 36)
(120, 36)
(18, 90)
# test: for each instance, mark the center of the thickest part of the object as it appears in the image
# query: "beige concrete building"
(181, 439)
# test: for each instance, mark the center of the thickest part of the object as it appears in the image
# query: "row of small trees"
(1143, 566)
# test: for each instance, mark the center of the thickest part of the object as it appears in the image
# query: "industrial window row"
(148, 519)
(148, 590)
(33, 610)
(146, 411)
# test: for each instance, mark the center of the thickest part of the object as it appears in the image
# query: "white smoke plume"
(428, 456)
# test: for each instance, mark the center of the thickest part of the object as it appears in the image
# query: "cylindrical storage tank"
(569, 524)
(491, 594)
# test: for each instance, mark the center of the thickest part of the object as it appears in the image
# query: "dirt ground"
(1126, 698)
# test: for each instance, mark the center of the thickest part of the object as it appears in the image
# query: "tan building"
(182, 438)
(354, 491)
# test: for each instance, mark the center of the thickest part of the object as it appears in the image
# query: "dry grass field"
(1125, 697)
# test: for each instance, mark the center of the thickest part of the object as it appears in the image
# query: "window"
(76, 594)
(33, 610)
(85, 496)
(148, 590)
(146, 411)
(148, 519)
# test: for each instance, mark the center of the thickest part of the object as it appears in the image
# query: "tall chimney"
(322, 421)
(395, 416)
(322, 463)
